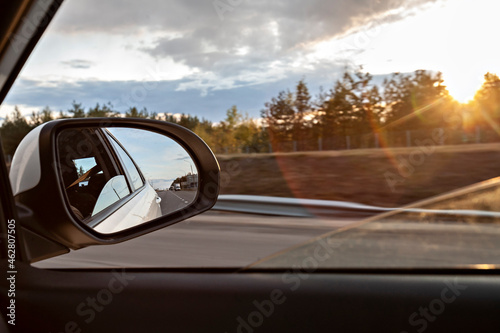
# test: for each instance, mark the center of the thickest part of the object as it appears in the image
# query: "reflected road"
(175, 200)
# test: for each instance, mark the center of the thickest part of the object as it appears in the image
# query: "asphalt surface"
(175, 200)
(402, 244)
(216, 239)
(211, 239)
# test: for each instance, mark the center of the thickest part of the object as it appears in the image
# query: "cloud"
(257, 33)
(163, 99)
(161, 183)
(166, 97)
(182, 158)
(258, 49)
(256, 41)
(78, 63)
(306, 19)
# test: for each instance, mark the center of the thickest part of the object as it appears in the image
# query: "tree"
(236, 133)
(250, 136)
(154, 116)
(414, 101)
(279, 117)
(13, 130)
(205, 131)
(81, 172)
(133, 112)
(76, 110)
(487, 102)
(188, 121)
(338, 111)
(353, 107)
(224, 134)
(38, 118)
(302, 104)
(367, 105)
(102, 111)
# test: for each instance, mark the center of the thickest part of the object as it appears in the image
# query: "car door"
(141, 203)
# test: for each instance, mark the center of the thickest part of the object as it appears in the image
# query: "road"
(216, 239)
(211, 239)
(175, 200)
(404, 244)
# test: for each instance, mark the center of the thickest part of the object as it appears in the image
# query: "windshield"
(321, 114)
(430, 235)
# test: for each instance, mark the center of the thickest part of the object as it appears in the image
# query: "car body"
(287, 292)
(177, 186)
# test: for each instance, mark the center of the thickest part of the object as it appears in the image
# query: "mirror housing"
(43, 208)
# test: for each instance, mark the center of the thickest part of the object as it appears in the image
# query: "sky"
(202, 57)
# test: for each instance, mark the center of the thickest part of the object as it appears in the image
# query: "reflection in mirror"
(118, 178)
(115, 189)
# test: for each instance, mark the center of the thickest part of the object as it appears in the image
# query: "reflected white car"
(104, 186)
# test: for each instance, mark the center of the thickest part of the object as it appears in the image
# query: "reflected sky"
(160, 158)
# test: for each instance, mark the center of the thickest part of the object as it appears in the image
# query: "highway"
(175, 200)
(404, 244)
(217, 239)
(211, 239)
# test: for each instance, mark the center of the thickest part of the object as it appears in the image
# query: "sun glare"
(450, 36)
(472, 51)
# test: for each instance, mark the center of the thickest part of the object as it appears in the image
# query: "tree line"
(354, 107)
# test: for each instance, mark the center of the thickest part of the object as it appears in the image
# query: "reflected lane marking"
(185, 201)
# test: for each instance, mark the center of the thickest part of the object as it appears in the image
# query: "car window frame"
(95, 220)
(102, 156)
(113, 157)
(108, 136)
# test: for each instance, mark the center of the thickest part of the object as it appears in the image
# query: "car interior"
(77, 145)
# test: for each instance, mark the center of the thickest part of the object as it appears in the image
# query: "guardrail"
(264, 205)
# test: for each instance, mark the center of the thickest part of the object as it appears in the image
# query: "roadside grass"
(362, 175)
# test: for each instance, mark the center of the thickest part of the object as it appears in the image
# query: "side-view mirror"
(81, 182)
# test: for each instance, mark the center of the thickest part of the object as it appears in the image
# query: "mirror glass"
(118, 178)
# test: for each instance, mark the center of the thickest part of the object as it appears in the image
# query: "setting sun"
(457, 45)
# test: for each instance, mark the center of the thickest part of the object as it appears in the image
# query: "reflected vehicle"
(163, 162)
(116, 196)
